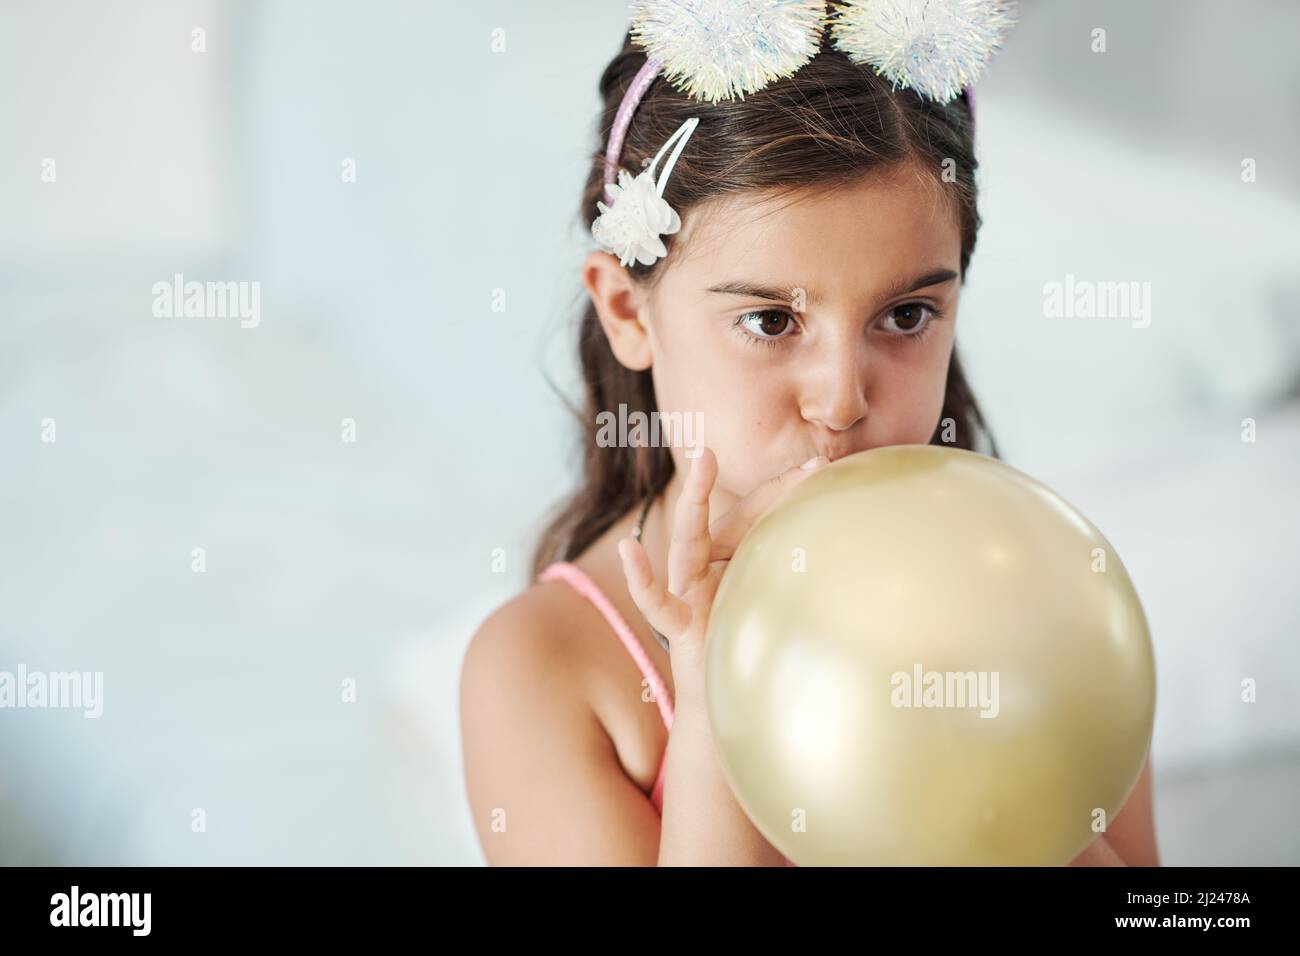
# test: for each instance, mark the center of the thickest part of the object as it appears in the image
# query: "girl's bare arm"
(544, 782)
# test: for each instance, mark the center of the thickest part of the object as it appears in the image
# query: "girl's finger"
(726, 532)
(667, 614)
(688, 550)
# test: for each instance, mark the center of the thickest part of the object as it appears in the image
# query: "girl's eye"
(909, 319)
(767, 325)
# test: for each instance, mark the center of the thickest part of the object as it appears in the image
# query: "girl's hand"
(697, 555)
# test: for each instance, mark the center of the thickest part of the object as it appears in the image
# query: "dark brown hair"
(830, 123)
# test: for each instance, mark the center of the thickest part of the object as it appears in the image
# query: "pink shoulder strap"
(578, 579)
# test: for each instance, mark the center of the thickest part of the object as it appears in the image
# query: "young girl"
(805, 310)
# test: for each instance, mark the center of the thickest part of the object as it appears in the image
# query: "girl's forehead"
(867, 231)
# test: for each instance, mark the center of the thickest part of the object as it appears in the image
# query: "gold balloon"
(922, 656)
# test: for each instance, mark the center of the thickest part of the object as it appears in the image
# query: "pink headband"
(640, 83)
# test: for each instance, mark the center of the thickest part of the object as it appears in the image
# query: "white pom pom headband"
(723, 49)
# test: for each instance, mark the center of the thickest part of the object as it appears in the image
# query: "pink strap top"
(581, 583)
(578, 579)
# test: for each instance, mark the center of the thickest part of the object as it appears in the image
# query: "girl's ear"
(620, 305)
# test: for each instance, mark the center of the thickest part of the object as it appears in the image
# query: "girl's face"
(822, 325)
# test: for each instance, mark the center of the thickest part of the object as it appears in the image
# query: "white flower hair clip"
(631, 225)
(713, 50)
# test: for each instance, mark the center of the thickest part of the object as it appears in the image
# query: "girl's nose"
(835, 390)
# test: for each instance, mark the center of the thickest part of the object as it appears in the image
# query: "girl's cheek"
(905, 408)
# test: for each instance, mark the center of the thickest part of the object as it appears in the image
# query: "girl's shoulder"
(524, 694)
(549, 633)
(546, 669)
(531, 634)
(554, 622)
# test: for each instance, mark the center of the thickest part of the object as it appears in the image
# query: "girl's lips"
(839, 453)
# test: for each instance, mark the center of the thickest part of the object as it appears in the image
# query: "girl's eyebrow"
(753, 290)
(926, 279)
(786, 294)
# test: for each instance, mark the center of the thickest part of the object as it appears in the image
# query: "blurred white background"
(371, 561)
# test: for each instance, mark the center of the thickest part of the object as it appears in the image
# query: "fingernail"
(813, 462)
